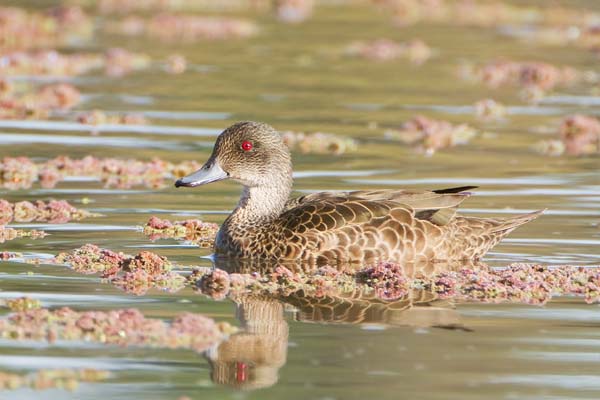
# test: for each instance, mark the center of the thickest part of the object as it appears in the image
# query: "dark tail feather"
(454, 189)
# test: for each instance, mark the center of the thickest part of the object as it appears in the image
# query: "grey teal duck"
(403, 226)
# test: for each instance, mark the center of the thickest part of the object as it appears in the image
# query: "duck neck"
(263, 203)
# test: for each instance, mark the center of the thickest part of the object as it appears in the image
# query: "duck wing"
(438, 206)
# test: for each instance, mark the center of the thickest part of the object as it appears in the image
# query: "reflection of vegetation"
(68, 379)
(7, 234)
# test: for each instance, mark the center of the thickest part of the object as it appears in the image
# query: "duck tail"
(505, 226)
(482, 234)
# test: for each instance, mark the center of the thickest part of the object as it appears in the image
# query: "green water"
(295, 77)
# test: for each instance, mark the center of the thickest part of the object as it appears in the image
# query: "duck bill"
(210, 172)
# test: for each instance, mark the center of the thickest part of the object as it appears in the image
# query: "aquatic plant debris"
(121, 327)
(484, 14)
(579, 136)
(517, 283)
(318, 142)
(53, 211)
(429, 135)
(115, 62)
(133, 274)
(21, 172)
(66, 379)
(534, 78)
(193, 230)
(489, 110)
(187, 28)
(416, 51)
(520, 283)
(38, 104)
(23, 29)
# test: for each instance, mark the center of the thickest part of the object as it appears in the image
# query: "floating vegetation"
(7, 234)
(318, 142)
(429, 135)
(416, 51)
(48, 63)
(518, 283)
(133, 274)
(98, 117)
(38, 104)
(119, 62)
(53, 211)
(126, 327)
(294, 11)
(22, 29)
(132, 6)
(66, 379)
(483, 13)
(176, 64)
(187, 28)
(22, 172)
(193, 230)
(582, 36)
(325, 281)
(489, 109)
(7, 255)
(579, 136)
(534, 78)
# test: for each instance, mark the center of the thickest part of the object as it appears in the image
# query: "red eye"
(247, 146)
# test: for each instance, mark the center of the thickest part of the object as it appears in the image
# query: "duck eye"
(246, 145)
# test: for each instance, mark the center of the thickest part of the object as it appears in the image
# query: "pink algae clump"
(119, 62)
(187, 28)
(387, 279)
(60, 96)
(98, 117)
(215, 284)
(489, 109)
(127, 327)
(176, 64)
(48, 62)
(415, 51)
(53, 211)
(133, 274)
(21, 29)
(318, 142)
(294, 11)
(429, 135)
(534, 78)
(579, 136)
(202, 233)
(91, 259)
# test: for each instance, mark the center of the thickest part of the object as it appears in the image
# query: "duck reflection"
(252, 358)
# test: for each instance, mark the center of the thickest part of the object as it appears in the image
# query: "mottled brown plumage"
(335, 228)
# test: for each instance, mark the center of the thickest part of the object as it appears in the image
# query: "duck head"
(251, 153)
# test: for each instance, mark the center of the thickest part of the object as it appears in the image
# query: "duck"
(333, 228)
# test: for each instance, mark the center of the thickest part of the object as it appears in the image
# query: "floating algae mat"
(107, 287)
